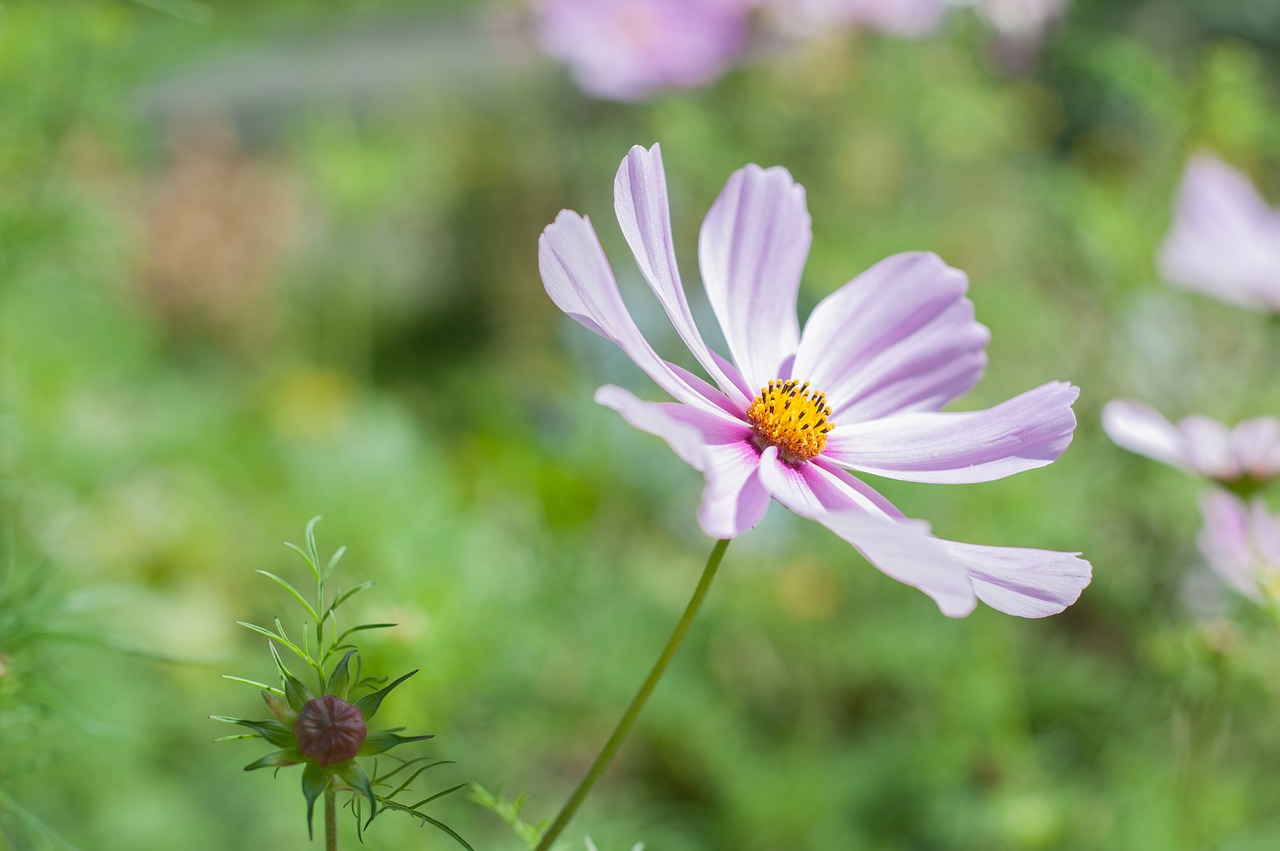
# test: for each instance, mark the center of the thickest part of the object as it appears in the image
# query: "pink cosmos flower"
(629, 49)
(1242, 458)
(1241, 543)
(1225, 240)
(792, 412)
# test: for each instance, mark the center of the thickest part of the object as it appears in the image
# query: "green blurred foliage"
(236, 292)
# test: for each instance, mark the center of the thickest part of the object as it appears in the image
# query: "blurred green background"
(266, 260)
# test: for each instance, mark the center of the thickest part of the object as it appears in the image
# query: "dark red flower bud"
(329, 730)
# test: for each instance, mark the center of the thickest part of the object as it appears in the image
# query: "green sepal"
(340, 680)
(354, 776)
(276, 759)
(283, 712)
(271, 729)
(314, 781)
(368, 705)
(295, 691)
(385, 740)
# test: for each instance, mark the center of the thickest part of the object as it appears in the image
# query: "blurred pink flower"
(859, 389)
(907, 18)
(1225, 240)
(1023, 20)
(1020, 27)
(629, 49)
(1241, 543)
(1242, 458)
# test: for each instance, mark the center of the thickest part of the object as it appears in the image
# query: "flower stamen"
(790, 416)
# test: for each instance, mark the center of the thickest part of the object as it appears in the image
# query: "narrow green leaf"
(368, 705)
(276, 759)
(303, 553)
(362, 627)
(333, 561)
(297, 595)
(311, 544)
(279, 639)
(342, 598)
(409, 762)
(254, 683)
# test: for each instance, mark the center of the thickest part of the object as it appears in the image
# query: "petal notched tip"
(1028, 583)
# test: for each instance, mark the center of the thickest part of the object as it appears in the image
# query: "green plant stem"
(330, 818)
(628, 719)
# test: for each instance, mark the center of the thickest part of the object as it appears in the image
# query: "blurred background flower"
(1225, 240)
(629, 49)
(1241, 542)
(1243, 458)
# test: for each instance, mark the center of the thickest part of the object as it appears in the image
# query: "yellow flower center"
(790, 416)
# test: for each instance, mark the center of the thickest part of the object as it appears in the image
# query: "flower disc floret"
(790, 416)
(329, 730)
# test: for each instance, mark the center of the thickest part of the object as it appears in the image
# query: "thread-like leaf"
(440, 794)
(333, 561)
(392, 805)
(406, 764)
(311, 545)
(355, 777)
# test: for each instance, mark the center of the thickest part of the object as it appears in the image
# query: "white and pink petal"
(901, 549)
(899, 337)
(719, 446)
(1023, 433)
(1029, 583)
(640, 201)
(578, 278)
(752, 249)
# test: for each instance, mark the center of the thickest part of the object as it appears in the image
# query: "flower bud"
(329, 730)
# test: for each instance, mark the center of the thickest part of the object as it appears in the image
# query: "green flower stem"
(330, 817)
(628, 718)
